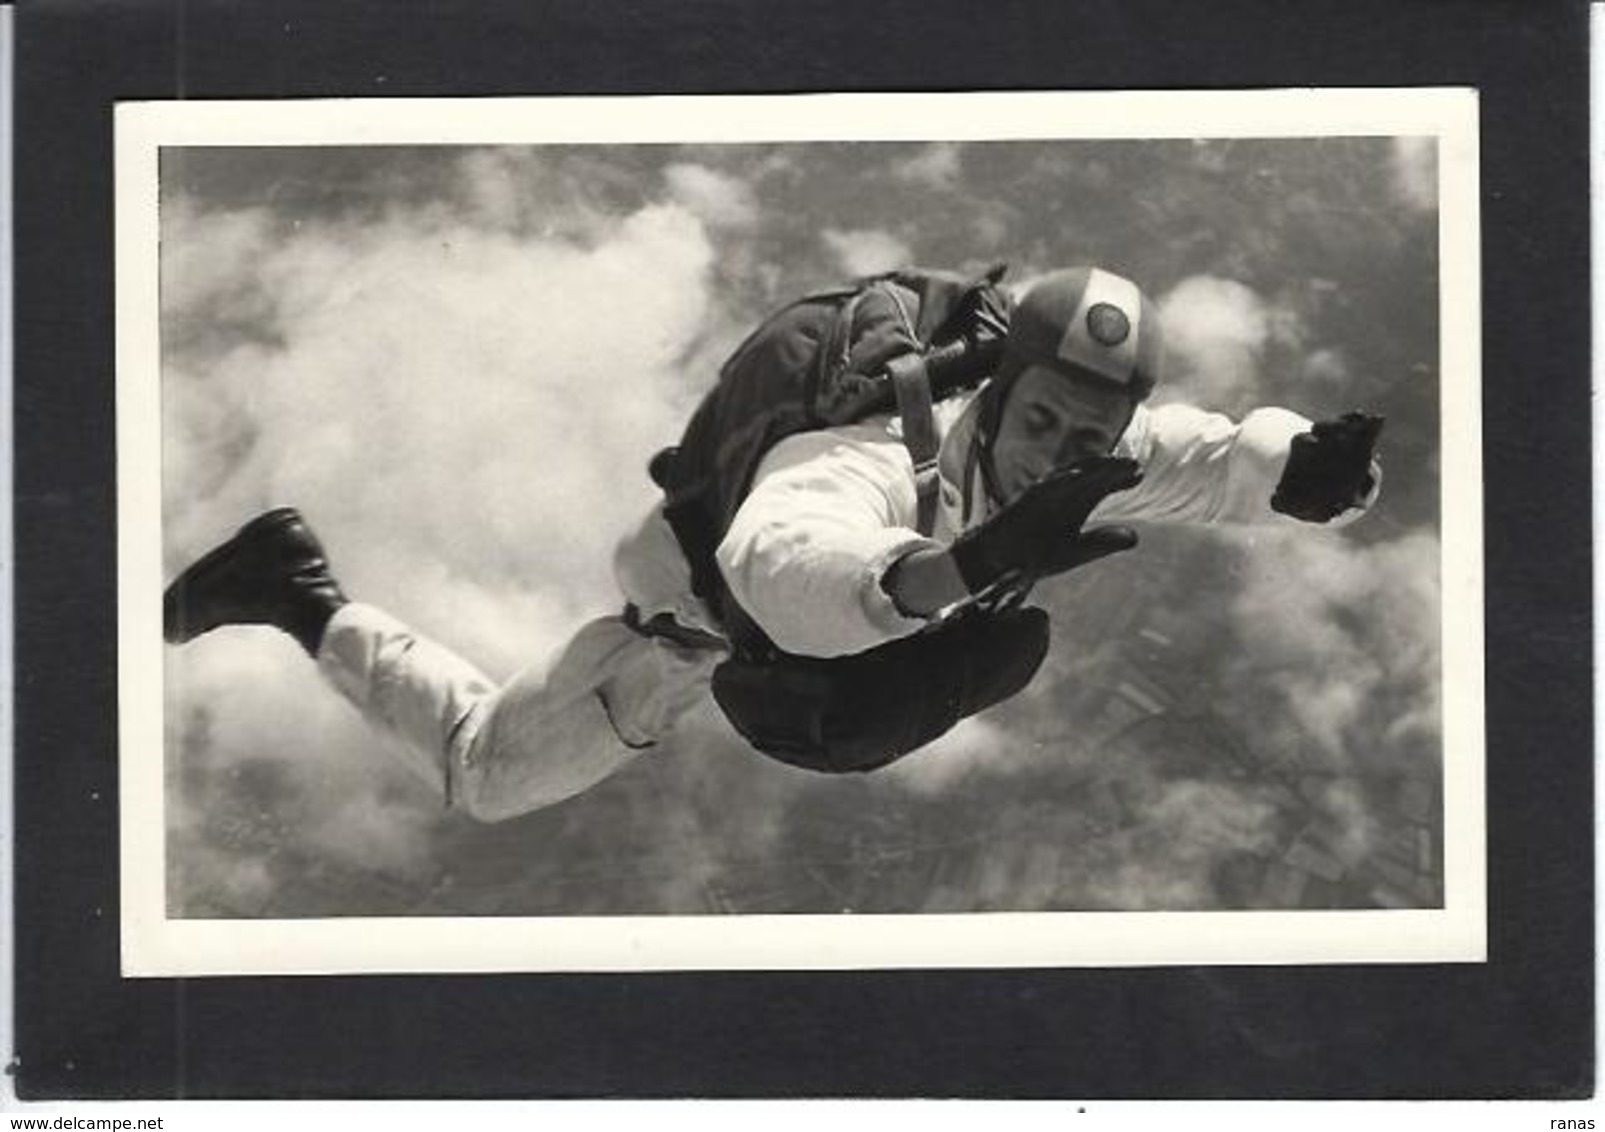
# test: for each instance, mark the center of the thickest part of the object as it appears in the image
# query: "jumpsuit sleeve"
(828, 514)
(1202, 467)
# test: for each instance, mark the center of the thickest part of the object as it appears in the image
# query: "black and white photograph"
(801, 531)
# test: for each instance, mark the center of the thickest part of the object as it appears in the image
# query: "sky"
(457, 361)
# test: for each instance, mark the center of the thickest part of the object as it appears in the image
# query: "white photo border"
(153, 944)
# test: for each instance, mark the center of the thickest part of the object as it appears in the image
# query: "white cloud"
(865, 251)
(1216, 331)
(1327, 369)
(513, 189)
(1343, 638)
(495, 182)
(265, 764)
(1415, 171)
(935, 166)
(464, 413)
(973, 746)
(197, 272)
(991, 229)
(715, 198)
(450, 405)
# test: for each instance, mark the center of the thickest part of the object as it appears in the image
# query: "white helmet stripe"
(1116, 360)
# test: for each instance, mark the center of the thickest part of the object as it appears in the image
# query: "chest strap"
(912, 384)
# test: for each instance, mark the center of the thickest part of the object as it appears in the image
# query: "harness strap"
(665, 626)
(913, 387)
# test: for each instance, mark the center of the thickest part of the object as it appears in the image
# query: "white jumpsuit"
(828, 513)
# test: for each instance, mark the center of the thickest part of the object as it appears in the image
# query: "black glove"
(1039, 534)
(1328, 468)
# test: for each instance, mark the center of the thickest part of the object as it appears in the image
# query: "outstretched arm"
(1201, 467)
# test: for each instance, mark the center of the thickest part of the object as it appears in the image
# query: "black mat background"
(1521, 1025)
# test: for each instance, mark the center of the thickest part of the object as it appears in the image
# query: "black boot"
(272, 572)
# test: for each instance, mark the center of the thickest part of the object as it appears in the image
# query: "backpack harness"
(905, 339)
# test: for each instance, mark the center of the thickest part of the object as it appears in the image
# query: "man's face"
(1051, 420)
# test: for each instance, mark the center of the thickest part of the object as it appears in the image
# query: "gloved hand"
(1039, 534)
(1328, 468)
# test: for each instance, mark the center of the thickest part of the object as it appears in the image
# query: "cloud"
(207, 273)
(865, 251)
(1227, 691)
(463, 409)
(1216, 332)
(1327, 369)
(445, 404)
(717, 199)
(991, 228)
(1339, 641)
(516, 190)
(935, 166)
(496, 183)
(1168, 858)
(973, 747)
(1415, 172)
(269, 765)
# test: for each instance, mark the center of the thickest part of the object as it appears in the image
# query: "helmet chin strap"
(980, 456)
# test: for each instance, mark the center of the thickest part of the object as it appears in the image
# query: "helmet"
(1084, 321)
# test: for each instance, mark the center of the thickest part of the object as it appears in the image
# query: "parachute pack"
(902, 340)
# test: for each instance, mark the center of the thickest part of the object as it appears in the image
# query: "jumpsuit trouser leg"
(546, 735)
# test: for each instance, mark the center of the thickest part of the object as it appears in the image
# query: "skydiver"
(811, 556)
